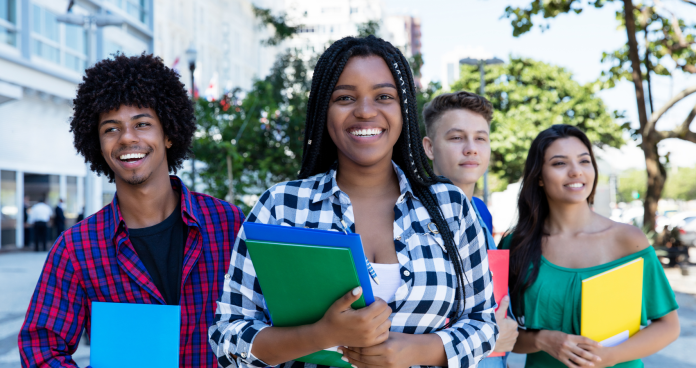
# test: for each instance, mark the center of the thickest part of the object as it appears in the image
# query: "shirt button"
(407, 273)
(227, 276)
(243, 355)
(398, 238)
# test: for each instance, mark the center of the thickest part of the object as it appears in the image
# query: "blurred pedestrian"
(27, 225)
(59, 218)
(39, 217)
(457, 140)
(81, 216)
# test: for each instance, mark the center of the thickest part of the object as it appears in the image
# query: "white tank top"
(389, 280)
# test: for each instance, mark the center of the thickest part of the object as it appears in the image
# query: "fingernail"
(356, 291)
(354, 366)
(506, 298)
(340, 351)
(344, 359)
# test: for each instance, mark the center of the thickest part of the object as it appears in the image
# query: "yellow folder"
(612, 303)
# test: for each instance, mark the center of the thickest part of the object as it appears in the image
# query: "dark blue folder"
(298, 235)
(135, 335)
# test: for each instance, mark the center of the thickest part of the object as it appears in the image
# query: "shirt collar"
(189, 211)
(328, 186)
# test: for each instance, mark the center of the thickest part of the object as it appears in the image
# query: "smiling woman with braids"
(364, 166)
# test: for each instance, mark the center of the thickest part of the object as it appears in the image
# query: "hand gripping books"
(302, 272)
(612, 303)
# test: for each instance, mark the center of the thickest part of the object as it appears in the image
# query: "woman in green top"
(559, 241)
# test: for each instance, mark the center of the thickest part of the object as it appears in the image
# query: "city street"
(19, 272)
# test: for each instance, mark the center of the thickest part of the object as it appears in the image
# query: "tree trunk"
(656, 180)
(230, 188)
(657, 175)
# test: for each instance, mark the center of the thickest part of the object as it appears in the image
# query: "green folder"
(300, 283)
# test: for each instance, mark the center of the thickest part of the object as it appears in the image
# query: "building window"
(63, 44)
(8, 22)
(137, 9)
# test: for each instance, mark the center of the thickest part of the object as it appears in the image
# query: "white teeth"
(366, 132)
(131, 155)
(575, 185)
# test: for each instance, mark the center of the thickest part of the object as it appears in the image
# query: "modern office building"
(42, 61)
(227, 38)
(404, 32)
(326, 21)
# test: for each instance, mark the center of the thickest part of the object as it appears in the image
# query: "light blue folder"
(135, 335)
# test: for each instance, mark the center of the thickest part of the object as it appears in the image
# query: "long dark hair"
(320, 152)
(533, 206)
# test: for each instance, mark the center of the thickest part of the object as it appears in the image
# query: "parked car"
(686, 223)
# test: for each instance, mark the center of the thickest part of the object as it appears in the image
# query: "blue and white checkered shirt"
(427, 292)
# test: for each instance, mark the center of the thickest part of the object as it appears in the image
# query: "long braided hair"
(320, 152)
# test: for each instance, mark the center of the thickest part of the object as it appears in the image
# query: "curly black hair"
(143, 81)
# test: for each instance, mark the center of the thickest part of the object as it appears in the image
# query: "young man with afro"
(157, 242)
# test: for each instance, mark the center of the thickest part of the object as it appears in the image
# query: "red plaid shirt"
(95, 261)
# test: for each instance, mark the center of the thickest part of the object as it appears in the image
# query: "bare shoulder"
(629, 238)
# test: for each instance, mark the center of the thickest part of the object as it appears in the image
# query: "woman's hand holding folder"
(344, 326)
(340, 326)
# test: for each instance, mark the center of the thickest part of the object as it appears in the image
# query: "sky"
(575, 42)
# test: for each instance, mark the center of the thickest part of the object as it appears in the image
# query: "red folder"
(499, 263)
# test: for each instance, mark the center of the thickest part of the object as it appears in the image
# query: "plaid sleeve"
(56, 314)
(240, 310)
(472, 337)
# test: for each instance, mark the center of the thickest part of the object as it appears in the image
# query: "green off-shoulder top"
(553, 300)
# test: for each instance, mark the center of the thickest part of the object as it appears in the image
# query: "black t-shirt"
(161, 249)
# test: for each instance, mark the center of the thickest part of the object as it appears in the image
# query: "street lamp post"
(90, 23)
(481, 64)
(191, 54)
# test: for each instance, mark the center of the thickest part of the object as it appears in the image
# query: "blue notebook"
(135, 335)
(299, 235)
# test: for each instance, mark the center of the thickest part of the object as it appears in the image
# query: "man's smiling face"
(133, 143)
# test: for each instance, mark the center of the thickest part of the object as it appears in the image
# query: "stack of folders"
(499, 263)
(302, 272)
(612, 303)
(134, 335)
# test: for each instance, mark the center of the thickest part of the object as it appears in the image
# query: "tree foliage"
(279, 25)
(529, 96)
(262, 131)
(629, 182)
(680, 185)
(371, 27)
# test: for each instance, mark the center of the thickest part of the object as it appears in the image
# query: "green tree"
(681, 184)
(529, 96)
(631, 182)
(371, 27)
(659, 43)
(255, 141)
(278, 24)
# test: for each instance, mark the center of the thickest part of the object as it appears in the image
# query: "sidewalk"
(20, 270)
